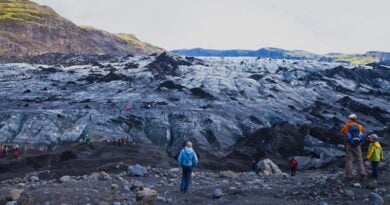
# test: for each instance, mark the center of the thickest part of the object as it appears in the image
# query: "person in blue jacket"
(187, 160)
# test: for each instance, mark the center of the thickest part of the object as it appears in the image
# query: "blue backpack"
(354, 136)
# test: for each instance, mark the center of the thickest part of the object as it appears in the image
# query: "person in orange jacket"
(353, 150)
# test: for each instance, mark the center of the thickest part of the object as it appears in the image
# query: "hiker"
(15, 151)
(187, 160)
(254, 166)
(374, 154)
(127, 139)
(353, 133)
(1, 151)
(6, 149)
(86, 139)
(293, 166)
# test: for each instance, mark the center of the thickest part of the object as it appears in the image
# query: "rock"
(114, 186)
(116, 203)
(104, 174)
(126, 188)
(94, 176)
(372, 184)
(21, 185)
(137, 170)
(357, 185)
(349, 193)
(268, 165)
(228, 174)
(34, 179)
(64, 179)
(375, 199)
(285, 175)
(174, 171)
(266, 172)
(322, 203)
(146, 196)
(217, 193)
(11, 203)
(137, 185)
(14, 194)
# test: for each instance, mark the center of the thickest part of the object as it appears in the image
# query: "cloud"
(313, 25)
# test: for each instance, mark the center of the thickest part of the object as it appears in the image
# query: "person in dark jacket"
(187, 160)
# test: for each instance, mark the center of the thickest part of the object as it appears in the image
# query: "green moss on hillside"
(131, 39)
(134, 41)
(86, 27)
(354, 59)
(23, 10)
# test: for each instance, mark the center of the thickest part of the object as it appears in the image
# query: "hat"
(189, 144)
(373, 137)
(353, 117)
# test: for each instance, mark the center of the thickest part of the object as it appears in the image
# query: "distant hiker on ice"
(187, 160)
(374, 154)
(293, 166)
(353, 133)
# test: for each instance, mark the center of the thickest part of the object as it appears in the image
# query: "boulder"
(104, 174)
(146, 196)
(372, 184)
(217, 193)
(137, 170)
(357, 185)
(349, 193)
(126, 188)
(137, 185)
(14, 194)
(267, 165)
(94, 176)
(228, 174)
(174, 171)
(375, 199)
(64, 179)
(114, 186)
(10, 203)
(34, 179)
(304, 163)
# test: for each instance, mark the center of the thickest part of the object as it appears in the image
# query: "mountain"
(27, 28)
(276, 53)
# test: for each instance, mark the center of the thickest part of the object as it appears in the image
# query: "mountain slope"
(27, 28)
(276, 53)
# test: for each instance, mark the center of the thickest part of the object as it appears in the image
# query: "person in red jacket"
(2, 151)
(15, 152)
(293, 166)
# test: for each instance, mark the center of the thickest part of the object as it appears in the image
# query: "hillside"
(276, 53)
(27, 28)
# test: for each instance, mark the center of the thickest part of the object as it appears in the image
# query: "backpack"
(354, 136)
(187, 159)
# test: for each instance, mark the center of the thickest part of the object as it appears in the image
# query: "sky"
(319, 26)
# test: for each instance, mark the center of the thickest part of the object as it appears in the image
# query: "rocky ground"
(94, 180)
(160, 185)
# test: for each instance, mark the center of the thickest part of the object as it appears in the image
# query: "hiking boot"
(348, 178)
(363, 177)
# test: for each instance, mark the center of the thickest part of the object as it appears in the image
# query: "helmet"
(353, 117)
(373, 137)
